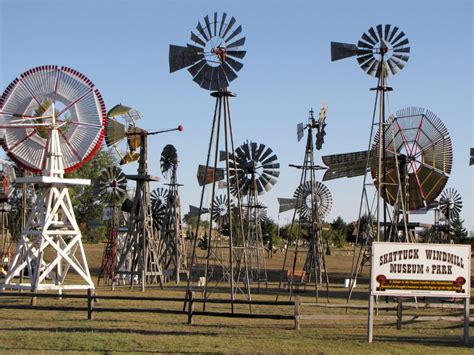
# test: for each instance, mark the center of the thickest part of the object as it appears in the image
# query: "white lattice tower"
(50, 245)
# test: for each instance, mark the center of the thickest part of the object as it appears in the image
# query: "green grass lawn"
(48, 331)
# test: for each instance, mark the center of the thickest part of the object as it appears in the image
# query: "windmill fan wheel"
(220, 210)
(450, 203)
(214, 57)
(113, 185)
(159, 202)
(421, 143)
(168, 160)
(257, 169)
(52, 96)
(319, 194)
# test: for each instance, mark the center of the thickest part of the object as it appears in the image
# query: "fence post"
(297, 312)
(90, 303)
(190, 307)
(399, 313)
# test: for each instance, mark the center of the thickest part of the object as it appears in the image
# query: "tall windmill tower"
(312, 201)
(54, 120)
(140, 256)
(409, 155)
(213, 60)
(174, 245)
(257, 171)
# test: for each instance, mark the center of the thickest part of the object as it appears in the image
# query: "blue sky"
(122, 46)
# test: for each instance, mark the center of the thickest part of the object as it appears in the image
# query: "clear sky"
(122, 46)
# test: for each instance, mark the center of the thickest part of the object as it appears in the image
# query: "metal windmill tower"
(403, 159)
(214, 60)
(7, 177)
(173, 254)
(312, 201)
(54, 120)
(257, 171)
(140, 256)
(112, 187)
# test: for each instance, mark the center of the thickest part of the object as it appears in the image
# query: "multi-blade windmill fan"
(305, 196)
(220, 210)
(214, 57)
(159, 199)
(122, 133)
(420, 143)
(257, 168)
(112, 185)
(168, 161)
(384, 40)
(53, 119)
(450, 204)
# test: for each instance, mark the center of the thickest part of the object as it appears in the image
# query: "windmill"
(112, 188)
(54, 120)
(213, 59)
(450, 205)
(174, 245)
(407, 169)
(312, 202)
(140, 255)
(257, 170)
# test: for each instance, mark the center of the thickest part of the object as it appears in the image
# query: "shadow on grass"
(107, 331)
(451, 341)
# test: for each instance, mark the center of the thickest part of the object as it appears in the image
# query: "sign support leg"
(370, 325)
(466, 321)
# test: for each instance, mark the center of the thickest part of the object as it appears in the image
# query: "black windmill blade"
(471, 159)
(168, 160)
(220, 209)
(320, 193)
(215, 56)
(287, 204)
(113, 185)
(195, 211)
(383, 40)
(299, 131)
(450, 203)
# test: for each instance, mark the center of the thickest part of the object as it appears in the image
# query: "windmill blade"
(182, 57)
(228, 27)
(237, 54)
(195, 211)
(115, 132)
(205, 175)
(347, 164)
(342, 50)
(197, 40)
(235, 33)
(234, 64)
(471, 159)
(299, 131)
(286, 204)
(238, 43)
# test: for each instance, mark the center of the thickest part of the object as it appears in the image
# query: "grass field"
(49, 331)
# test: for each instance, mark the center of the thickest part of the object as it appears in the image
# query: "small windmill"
(112, 188)
(213, 59)
(450, 205)
(312, 201)
(255, 169)
(140, 256)
(174, 245)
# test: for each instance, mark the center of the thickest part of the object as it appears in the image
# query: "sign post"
(420, 270)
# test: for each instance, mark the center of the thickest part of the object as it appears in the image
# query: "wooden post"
(297, 313)
(399, 313)
(466, 321)
(370, 324)
(190, 307)
(90, 303)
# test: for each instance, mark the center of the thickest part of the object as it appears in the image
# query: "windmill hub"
(220, 53)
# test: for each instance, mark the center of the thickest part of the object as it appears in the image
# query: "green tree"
(458, 230)
(87, 205)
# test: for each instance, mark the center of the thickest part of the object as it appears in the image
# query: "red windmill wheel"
(423, 146)
(48, 97)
